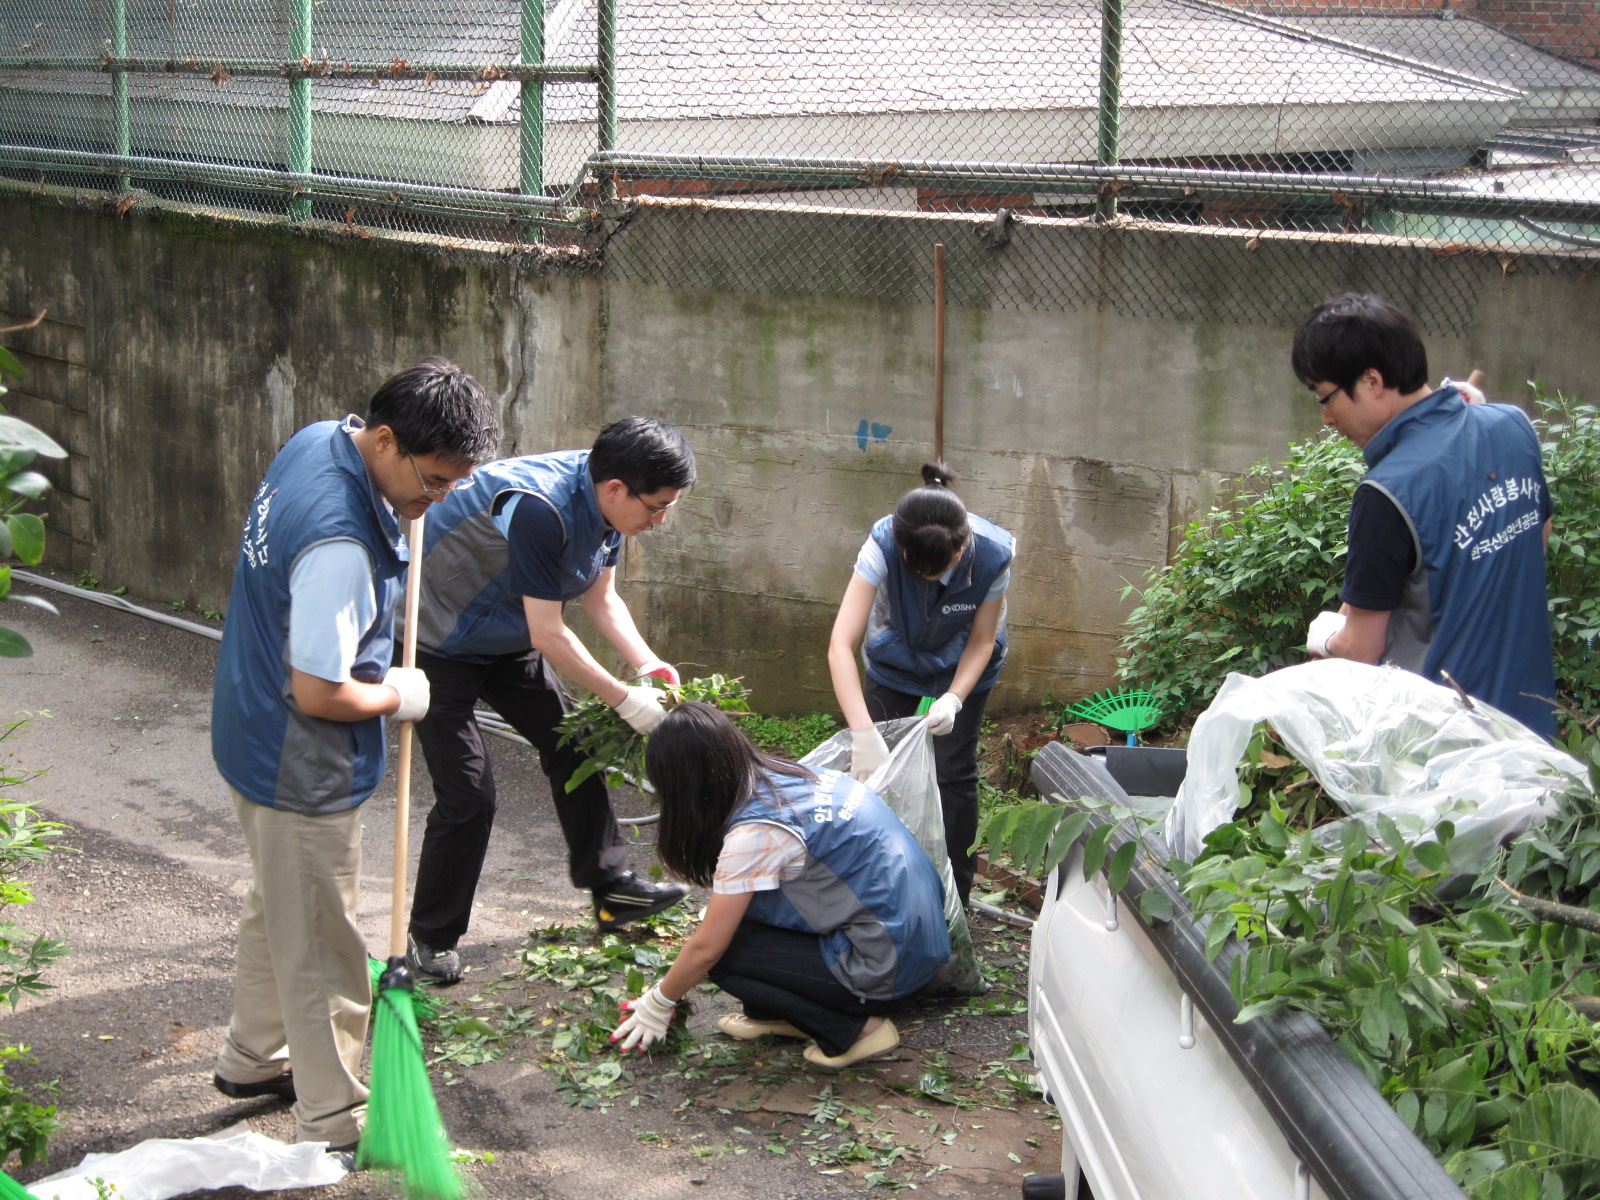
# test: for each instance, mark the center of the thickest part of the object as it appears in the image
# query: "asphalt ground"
(146, 889)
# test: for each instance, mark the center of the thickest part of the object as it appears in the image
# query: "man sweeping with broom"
(303, 684)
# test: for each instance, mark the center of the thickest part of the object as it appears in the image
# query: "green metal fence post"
(1110, 123)
(606, 61)
(119, 87)
(300, 106)
(532, 99)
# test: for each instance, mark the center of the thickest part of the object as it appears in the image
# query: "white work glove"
(942, 713)
(659, 669)
(1323, 626)
(641, 708)
(411, 683)
(1470, 392)
(868, 752)
(647, 1021)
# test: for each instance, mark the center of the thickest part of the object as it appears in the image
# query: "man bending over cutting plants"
(502, 560)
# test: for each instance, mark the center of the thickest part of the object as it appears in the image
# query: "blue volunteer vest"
(868, 890)
(1468, 479)
(470, 611)
(317, 490)
(929, 622)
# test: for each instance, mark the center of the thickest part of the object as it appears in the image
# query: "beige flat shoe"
(737, 1025)
(883, 1039)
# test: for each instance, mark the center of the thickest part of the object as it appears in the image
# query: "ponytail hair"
(930, 522)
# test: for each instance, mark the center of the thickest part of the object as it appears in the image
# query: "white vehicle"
(1161, 1095)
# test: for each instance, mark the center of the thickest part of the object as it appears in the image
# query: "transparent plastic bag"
(908, 783)
(1379, 740)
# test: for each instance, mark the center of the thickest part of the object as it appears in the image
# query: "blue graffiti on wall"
(879, 433)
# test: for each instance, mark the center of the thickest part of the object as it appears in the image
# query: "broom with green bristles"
(10, 1189)
(404, 1132)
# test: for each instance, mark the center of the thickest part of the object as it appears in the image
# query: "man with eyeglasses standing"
(303, 685)
(502, 560)
(1446, 570)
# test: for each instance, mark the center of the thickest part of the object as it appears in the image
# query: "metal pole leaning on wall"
(119, 87)
(606, 60)
(1110, 122)
(300, 107)
(532, 100)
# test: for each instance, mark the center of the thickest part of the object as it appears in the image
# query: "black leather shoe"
(279, 1087)
(346, 1155)
(628, 898)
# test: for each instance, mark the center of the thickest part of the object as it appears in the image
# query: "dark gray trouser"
(780, 975)
(525, 691)
(955, 757)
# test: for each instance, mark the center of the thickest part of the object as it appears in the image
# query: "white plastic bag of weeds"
(908, 783)
(1379, 740)
(163, 1167)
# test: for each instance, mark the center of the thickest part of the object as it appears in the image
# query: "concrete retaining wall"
(180, 350)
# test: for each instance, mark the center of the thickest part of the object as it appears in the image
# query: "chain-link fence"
(1462, 125)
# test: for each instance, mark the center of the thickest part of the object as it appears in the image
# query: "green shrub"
(1570, 435)
(24, 838)
(21, 534)
(1248, 578)
(789, 737)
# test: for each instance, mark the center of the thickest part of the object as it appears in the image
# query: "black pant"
(955, 758)
(780, 975)
(524, 690)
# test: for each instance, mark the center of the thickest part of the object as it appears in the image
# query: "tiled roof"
(1460, 44)
(729, 59)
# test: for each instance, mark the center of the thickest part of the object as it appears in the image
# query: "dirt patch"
(147, 899)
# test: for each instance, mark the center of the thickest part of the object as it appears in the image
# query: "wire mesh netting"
(1463, 126)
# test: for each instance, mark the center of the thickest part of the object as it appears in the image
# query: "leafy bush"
(21, 534)
(1570, 435)
(1249, 577)
(24, 838)
(789, 737)
(1246, 580)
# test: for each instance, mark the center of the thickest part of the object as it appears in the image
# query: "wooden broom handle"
(402, 769)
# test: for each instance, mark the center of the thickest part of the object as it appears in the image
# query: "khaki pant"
(301, 989)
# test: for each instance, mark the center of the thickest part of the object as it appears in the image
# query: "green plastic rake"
(1127, 712)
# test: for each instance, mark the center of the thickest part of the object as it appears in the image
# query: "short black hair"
(1347, 335)
(435, 407)
(704, 770)
(930, 522)
(646, 454)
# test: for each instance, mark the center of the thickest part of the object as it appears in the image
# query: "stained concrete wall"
(180, 350)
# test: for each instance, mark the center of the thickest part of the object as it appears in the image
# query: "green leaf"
(1094, 849)
(1156, 906)
(13, 644)
(18, 434)
(1429, 957)
(1065, 837)
(1432, 856)
(1122, 864)
(27, 537)
(27, 483)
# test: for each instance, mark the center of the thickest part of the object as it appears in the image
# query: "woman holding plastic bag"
(825, 914)
(926, 607)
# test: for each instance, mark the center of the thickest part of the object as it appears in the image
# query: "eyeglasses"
(1323, 399)
(458, 485)
(655, 509)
